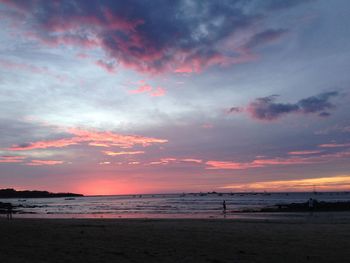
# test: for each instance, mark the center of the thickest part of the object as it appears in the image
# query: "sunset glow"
(118, 97)
(336, 183)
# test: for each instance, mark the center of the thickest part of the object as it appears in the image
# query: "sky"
(124, 97)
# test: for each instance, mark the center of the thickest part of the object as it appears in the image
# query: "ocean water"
(163, 205)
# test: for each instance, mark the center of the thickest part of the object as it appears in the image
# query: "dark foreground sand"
(146, 240)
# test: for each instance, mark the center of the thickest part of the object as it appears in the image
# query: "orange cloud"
(214, 165)
(94, 138)
(174, 160)
(110, 153)
(45, 144)
(276, 161)
(43, 162)
(281, 161)
(337, 183)
(158, 92)
(304, 152)
(98, 144)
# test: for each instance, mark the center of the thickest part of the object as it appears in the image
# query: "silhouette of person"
(224, 206)
(311, 204)
(9, 211)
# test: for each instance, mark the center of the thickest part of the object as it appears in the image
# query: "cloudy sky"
(118, 97)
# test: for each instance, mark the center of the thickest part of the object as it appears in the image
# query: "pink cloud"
(118, 23)
(43, 162)
(114, 139)
(169, 159)
(334, 145)
(12, 159)
(158, 92)
(142, 89)
(148, 89)
(156, 163)
(75, 22)
(195, 62)
(45, 144)
(125, 36)
(67, 40)
(184, 69)
(191, 160)
(110, 153)
(163, 161)
(92, 137)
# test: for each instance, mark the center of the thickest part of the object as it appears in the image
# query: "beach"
(318, 239)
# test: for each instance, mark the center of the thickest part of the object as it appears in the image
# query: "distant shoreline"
(12, 193)
(47, 194)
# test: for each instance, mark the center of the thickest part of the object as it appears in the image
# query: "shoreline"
(316, 217)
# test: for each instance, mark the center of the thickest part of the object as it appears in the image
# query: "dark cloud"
(265, 37)
(324, 114)
(283, 4)
(149, 36)
(267, 108)
(24, 145)
(317, 103)
(235, 110)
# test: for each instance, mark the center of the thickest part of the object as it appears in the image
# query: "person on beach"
(311, 204)
(224, 207)
(9, 211)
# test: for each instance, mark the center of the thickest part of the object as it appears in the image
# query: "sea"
(190, 205)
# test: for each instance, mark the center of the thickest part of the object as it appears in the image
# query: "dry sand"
(147, 240)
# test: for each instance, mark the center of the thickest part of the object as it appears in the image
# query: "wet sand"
(167, 240)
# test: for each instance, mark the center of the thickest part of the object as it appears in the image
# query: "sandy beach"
(167, 240)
